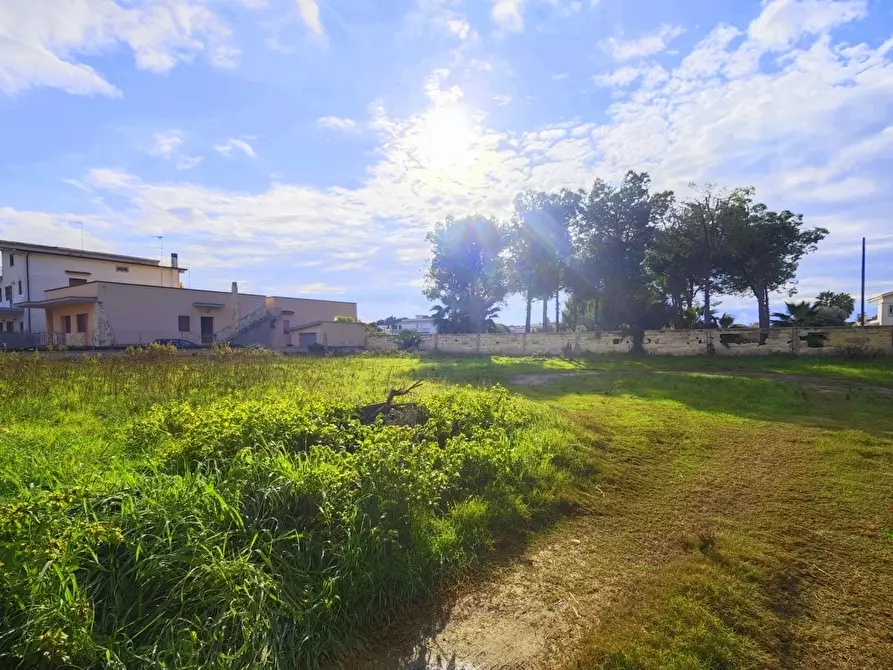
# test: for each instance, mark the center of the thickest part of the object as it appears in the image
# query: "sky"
(306, 147)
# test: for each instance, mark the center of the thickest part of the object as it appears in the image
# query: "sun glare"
(446, 137)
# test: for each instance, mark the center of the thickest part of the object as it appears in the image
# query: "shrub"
(408, 340)
(860, 352)
(265, 531)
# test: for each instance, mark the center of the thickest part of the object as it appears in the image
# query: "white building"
(884, 309)
(28, 270)
(420, 323)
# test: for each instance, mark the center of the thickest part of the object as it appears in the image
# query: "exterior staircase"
(230, 334)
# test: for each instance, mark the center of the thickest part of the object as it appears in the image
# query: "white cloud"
(167, 145)
(309, 11)
(232, 144)
(811, 133)
(509, 14)
(40, 40)
(502, 100)
(434, 88)
(561, 76)
(188, 162)
(460, 28)
(648, 45)
(783, 22)
(337, 123)
(317, 288)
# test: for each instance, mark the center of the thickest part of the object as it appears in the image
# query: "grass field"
(232, 511)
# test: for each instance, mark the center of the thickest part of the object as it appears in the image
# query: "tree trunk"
(707, 305)
(557, 309)
(545, 314)
(529, 310)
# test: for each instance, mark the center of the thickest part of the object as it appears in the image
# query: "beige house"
(105, 314)
(31, 269)
(884, 309)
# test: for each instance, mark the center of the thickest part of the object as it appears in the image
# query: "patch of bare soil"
(533, 613)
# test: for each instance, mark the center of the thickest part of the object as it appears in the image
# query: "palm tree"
(799, 315)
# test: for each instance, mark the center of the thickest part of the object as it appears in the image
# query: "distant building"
(420, 323)
(31, 269)
(68, 297)
(884, 310)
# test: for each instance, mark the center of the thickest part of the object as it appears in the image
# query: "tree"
(541, 245)
(616, 227)
(805, 315)
(449, 319)
(841, 301)
(390, 321)
(762, 250)
(706, 217)
(468, 269)
(675, 260)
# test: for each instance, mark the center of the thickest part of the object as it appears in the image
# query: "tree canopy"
(625, 256)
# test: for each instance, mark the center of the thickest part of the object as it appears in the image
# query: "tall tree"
(675, 259)
(842, 301)
(541, 244)
(616, 227)
(468, 268)
(763, 249)
(705, 216)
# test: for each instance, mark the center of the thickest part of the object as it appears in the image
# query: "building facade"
(884, 309)
(113, 314)
(420, 324)
(30, 270)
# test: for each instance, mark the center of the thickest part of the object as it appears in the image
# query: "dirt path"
(533, 612)
(541, 378)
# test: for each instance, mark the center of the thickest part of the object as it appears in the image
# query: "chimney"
(175, 261)
(234, 298)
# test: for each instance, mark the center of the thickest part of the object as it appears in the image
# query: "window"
(9, 325)
(20, 287)
(21, 326)
(76, 281)
(8, 290)
(82, 323)
(890, 310)
(66, 323)
(122, 268)
(183, 324)
(286, 324)
(12, 260)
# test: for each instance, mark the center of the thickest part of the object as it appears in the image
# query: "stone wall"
(732, 342)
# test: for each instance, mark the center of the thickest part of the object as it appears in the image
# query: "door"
(207, 329)
(306, 339)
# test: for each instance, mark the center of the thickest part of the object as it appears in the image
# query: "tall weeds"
(252, 520)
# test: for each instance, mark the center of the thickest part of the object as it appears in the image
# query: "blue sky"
(305, 147)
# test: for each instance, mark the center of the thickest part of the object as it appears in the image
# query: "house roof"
(878, 298)
(9, 245)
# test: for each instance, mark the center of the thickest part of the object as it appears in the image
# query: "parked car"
(178, 343)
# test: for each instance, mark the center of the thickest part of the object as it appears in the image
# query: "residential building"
(884, 309)
(105, 314)
(29, 270)
(420, 323)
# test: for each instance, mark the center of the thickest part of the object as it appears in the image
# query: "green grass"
(487, 369)
(234, 512)
(231, 511)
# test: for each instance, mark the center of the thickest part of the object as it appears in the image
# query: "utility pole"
(862, 311)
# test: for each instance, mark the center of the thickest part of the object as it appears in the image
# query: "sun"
(446, 137)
